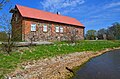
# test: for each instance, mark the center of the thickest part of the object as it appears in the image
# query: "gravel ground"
(59, 67)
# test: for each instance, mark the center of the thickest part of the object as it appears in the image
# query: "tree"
(114, 30)
(91, 34)
(3, 36)
(5, 25)
(3, 2)
(102, 34)
(71, 35)
(111, 33)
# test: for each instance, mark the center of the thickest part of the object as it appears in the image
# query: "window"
(16, 18)
(33, 27)
(44, 28)
(61, 29)
(57, 29)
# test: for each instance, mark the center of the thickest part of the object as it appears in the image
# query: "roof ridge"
(44, 11)
(48, 16)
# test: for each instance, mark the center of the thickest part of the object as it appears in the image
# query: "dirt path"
(53, 68)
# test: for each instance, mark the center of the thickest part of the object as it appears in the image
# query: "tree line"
(111, 33)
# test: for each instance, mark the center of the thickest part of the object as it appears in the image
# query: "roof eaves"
(54, 21)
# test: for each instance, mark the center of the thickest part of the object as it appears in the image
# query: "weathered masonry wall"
(16, 26)
(51, 34)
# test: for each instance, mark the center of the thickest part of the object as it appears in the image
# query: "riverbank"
(55, 53)
(59, 67)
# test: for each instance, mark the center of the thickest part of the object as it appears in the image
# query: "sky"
(94, 14)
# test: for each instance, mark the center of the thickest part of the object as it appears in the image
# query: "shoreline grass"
(9, 63)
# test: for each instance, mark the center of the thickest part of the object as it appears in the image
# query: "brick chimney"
(58, 13)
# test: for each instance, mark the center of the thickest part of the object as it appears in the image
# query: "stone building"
(28, 23)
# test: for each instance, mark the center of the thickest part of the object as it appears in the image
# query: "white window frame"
(33, 27)
(61, 29)
(57, 29)
(45, 28)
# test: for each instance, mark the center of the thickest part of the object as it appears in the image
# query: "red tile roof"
(42, 15)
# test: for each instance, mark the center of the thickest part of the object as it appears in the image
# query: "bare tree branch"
(3, 2)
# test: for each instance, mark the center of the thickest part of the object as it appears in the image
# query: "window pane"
(45, 28)
(33, 27)
(61, 29)
(57, 29)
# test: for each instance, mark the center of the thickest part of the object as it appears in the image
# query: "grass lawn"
(9, 63)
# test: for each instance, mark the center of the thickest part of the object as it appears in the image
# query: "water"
(106, 66)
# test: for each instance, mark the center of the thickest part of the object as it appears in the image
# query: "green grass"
(9, 63)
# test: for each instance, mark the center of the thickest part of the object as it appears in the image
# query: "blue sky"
(94, 14)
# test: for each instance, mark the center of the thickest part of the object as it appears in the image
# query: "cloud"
(117, 9)
(61, 5)
(111, 5)
(73, 3)
(106, 11)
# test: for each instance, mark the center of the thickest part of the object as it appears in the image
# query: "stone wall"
(51, 35)
(16, 26)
